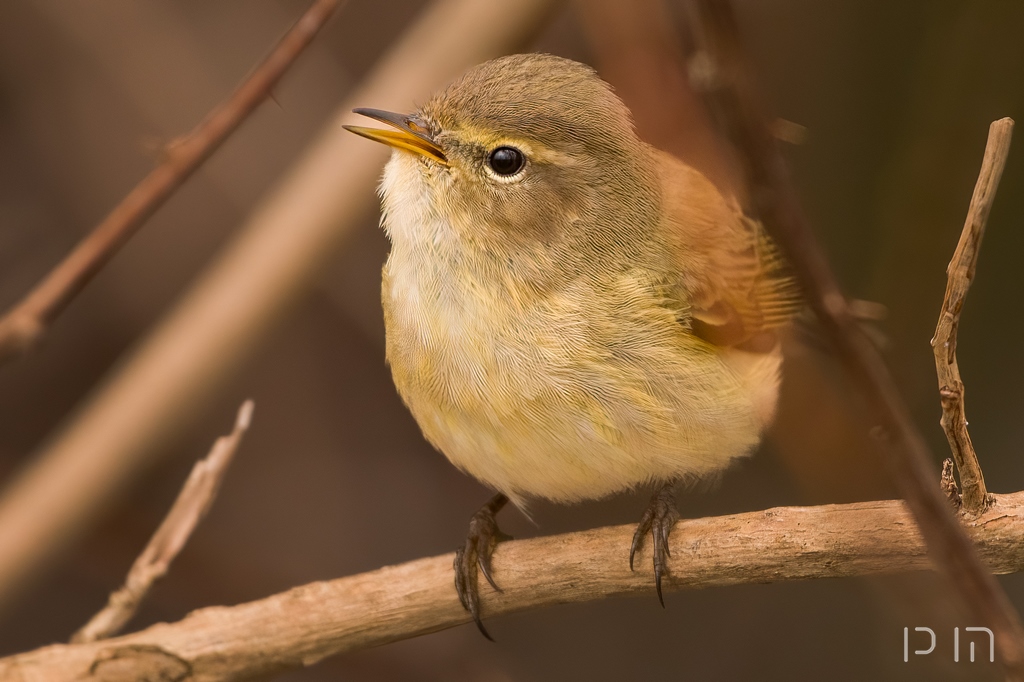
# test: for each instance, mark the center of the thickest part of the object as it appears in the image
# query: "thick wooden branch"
(960, 274)
(308, 623)
(23, 326)
(188, 510)
(720, 68)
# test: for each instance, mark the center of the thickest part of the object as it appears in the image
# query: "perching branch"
(188, 510)
(306, 624)
(960, 274)
(719, 68)
(273, 260)
(23, 326)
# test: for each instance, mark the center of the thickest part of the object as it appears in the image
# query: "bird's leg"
(484, 535)
(658, 520)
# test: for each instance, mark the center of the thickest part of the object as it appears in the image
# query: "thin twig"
(274, 259)
(309, 623)
(960, 274)
(719, 67)
(23, 326)
(188, 510)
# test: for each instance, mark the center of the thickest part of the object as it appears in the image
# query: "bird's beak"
(411, 136)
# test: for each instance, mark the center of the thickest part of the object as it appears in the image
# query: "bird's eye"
(506, 161)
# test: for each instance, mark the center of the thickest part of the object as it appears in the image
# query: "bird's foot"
(484, 536)
(658, 520)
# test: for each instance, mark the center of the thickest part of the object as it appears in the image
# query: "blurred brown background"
(334, 477)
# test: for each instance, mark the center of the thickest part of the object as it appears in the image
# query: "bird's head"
(527, 148)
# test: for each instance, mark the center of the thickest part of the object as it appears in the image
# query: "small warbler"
(570, 312)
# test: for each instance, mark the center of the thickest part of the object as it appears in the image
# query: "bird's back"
(740, 292)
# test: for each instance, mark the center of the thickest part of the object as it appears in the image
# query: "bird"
(570, 312)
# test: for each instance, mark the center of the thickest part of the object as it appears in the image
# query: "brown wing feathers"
(737, 284)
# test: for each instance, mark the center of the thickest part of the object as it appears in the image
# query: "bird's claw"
(474, 557)
(658, 520)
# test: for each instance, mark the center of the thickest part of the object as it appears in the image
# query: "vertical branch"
(960, 274)
(719, 68)
(22, 327)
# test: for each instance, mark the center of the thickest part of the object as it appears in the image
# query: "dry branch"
(720, 68)
(188, 510)
(286, 243)
(308, 623)
(960, 274)
(23, 326)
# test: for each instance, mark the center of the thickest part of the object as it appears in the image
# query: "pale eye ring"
(506, 161)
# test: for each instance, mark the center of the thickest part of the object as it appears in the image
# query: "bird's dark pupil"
(506, 160)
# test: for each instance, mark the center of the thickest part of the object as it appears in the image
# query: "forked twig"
(23, 326)
(188, 510)
(960, 274)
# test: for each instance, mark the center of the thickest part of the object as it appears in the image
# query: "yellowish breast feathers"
(569, 311)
